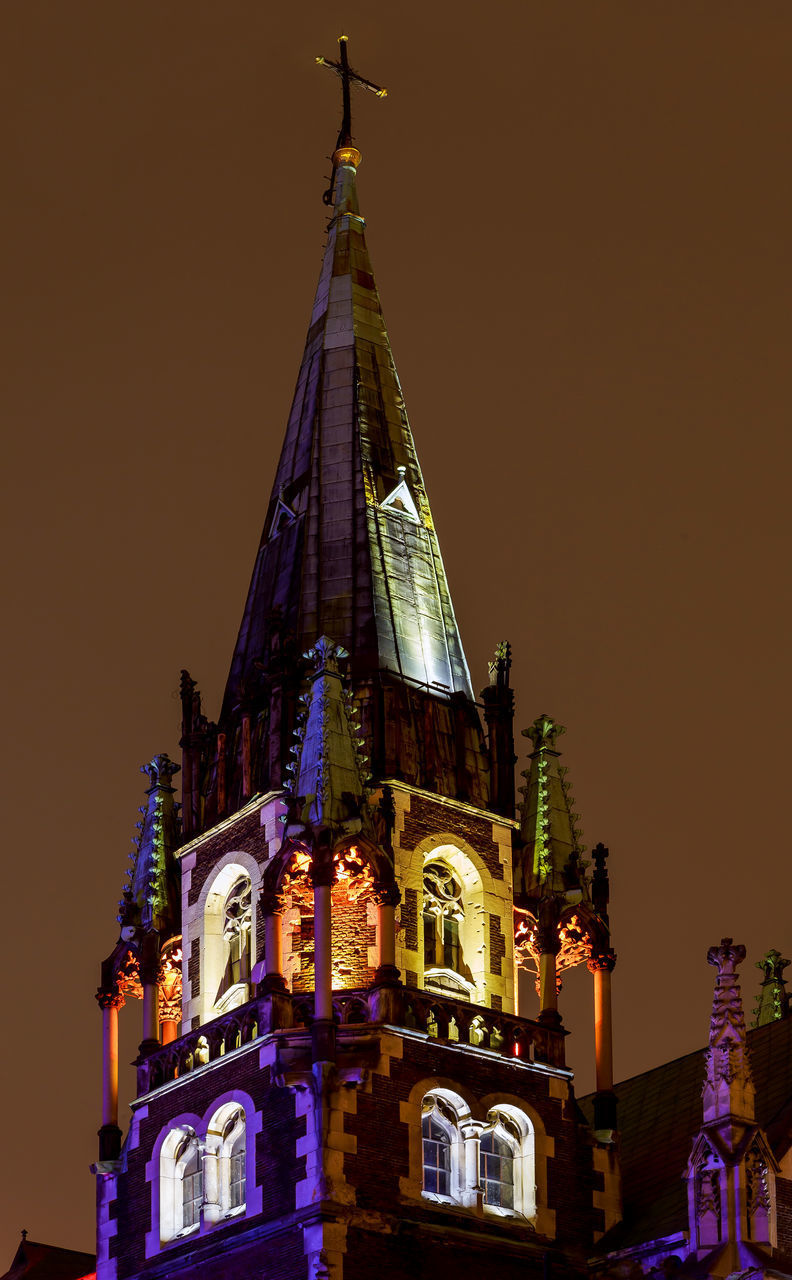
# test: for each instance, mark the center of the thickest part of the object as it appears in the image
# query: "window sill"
(498, 1212)
(436, 1198)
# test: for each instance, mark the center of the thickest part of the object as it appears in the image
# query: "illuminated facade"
(334, 1077)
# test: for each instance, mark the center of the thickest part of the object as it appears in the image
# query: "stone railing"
(447, 1020)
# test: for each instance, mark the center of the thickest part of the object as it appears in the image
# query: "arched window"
(225, 1163)
(443, 914)
(228, 941)
(436, 1156)
(507, 1162)
(181, 1183)
(496, 1169)
(237, 918)
(440, 1146)
(204, 1179)
(189, 1162)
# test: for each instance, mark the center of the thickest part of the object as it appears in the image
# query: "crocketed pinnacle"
(151, 900)
(728, 1086)
(551, 850)
(329, 767)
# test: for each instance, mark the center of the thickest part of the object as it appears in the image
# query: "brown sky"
(579, 219)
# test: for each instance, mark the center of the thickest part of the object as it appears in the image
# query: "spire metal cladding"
(349, 548)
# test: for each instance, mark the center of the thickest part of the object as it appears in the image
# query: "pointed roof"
(728, 1084)
(49, 1262)
(329, 767)
(349, 547)
(549, 860)
(151, 899)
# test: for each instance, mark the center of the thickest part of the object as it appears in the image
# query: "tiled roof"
(660, 1113)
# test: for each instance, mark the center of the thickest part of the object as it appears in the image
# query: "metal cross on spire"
(348, 77)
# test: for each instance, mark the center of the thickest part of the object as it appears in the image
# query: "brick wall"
(409, 919)
(278, 1168)
(784, 1215)
(246, 835)
(382, 1155)
(497, 944)
(352, 937)
(426, 817)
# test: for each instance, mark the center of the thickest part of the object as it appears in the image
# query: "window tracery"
(443, 913)
(237, 921)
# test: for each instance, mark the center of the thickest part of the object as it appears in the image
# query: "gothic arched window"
(496, 1169)
(188, 1160)
(181, 1183)
(204, 1176)
(439, 1146)
(237, 921)
(443, 913)
(225, 1163)
(436, 1155)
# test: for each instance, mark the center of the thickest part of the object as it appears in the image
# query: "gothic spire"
(349, 547)
(349, 550)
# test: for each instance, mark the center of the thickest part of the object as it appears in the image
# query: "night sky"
(579, 217)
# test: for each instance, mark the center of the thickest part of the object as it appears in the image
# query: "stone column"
(387, 898)
(109, 1134)
(601, 966)
(272, 906)
(322, 876)
(471, 1190)
(549, 945)
(548, 983)
(149, 980)
(170, 1030)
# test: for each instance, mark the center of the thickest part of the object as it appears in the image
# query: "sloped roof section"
(333, 560)
(48, 1262)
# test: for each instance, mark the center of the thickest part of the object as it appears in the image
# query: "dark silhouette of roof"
(47, 1262)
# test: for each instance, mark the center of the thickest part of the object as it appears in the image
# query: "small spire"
(773, 1002)
(551, 838)
(728, 1087)
(151, 900)
(329, 767)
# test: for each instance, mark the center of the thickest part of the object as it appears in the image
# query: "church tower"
(334, 1078)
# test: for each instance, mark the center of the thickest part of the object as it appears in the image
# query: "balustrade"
(440, 1017)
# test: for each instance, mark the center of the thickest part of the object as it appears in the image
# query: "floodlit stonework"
(335, 1077)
